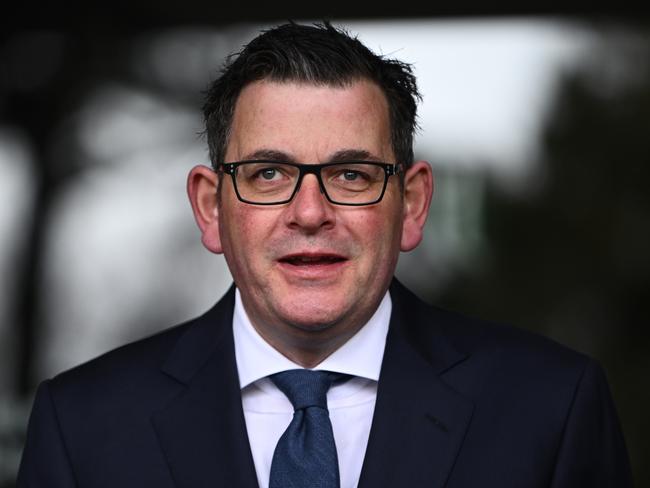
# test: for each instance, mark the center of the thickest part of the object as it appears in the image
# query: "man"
(319, 368)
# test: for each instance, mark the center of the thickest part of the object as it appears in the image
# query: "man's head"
(310, 272)
(318, 55)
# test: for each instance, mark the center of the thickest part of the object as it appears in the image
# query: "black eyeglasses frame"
(315, 169)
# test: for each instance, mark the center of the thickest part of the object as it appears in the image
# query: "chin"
(313, 319)
(311, 326)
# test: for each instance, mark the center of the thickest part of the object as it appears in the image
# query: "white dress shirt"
(351, 404)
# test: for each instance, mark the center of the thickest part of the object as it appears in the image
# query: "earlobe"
(202, 191)
(418, 191)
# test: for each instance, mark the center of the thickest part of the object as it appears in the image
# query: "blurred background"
(538, 130)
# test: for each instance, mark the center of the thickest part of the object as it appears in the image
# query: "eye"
(349, 175)
(268, 173)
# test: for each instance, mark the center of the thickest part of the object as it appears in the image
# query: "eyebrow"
(269, 155)
(353, 155)
(339, 156)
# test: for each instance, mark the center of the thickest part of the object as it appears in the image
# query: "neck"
(306, 348)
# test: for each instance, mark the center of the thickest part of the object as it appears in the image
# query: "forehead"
(310, 122)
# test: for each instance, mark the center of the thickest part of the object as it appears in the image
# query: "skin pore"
(311, 273)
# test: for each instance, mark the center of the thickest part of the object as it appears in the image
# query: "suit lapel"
(419, 421)
(418, 425)
(202, 431)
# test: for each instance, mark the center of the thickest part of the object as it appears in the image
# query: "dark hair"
(318, 54)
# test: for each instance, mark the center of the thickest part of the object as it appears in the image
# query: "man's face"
(310, 272)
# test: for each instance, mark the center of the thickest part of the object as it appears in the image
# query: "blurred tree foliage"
(569, 257)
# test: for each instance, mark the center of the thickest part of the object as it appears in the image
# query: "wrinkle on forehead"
(311, 123)
(341, 156)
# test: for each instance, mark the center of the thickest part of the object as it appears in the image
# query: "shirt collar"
(360, 356)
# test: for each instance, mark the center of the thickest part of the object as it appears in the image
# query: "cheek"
(379, 233)
(251, 229)
(234, 229)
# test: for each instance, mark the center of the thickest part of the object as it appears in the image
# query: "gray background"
(536, 126)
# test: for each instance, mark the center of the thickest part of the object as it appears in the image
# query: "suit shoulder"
(480, 336)
(489, 342)
(122, 368)
(502, 359)
(144, 356)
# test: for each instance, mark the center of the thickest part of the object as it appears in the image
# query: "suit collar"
(418, 425)
(412, 320)
(424, 329)
(419, 421)
(202, 431)
(198, 343)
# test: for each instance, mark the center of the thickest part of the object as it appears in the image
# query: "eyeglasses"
(345, 183)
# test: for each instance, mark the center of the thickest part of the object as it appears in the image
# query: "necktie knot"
(305, 388)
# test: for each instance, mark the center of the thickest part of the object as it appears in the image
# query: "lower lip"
(313, 271)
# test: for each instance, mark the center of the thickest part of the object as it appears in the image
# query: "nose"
(309, 210)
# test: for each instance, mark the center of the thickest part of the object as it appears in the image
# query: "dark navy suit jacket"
(460, 403)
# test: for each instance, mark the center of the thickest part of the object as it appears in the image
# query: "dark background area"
(567, 257)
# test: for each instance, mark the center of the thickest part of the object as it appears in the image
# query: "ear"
(418, 191)
(202, 190)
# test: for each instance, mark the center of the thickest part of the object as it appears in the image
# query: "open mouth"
(312, 259)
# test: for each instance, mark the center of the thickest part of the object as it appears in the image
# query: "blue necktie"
(305, 456)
